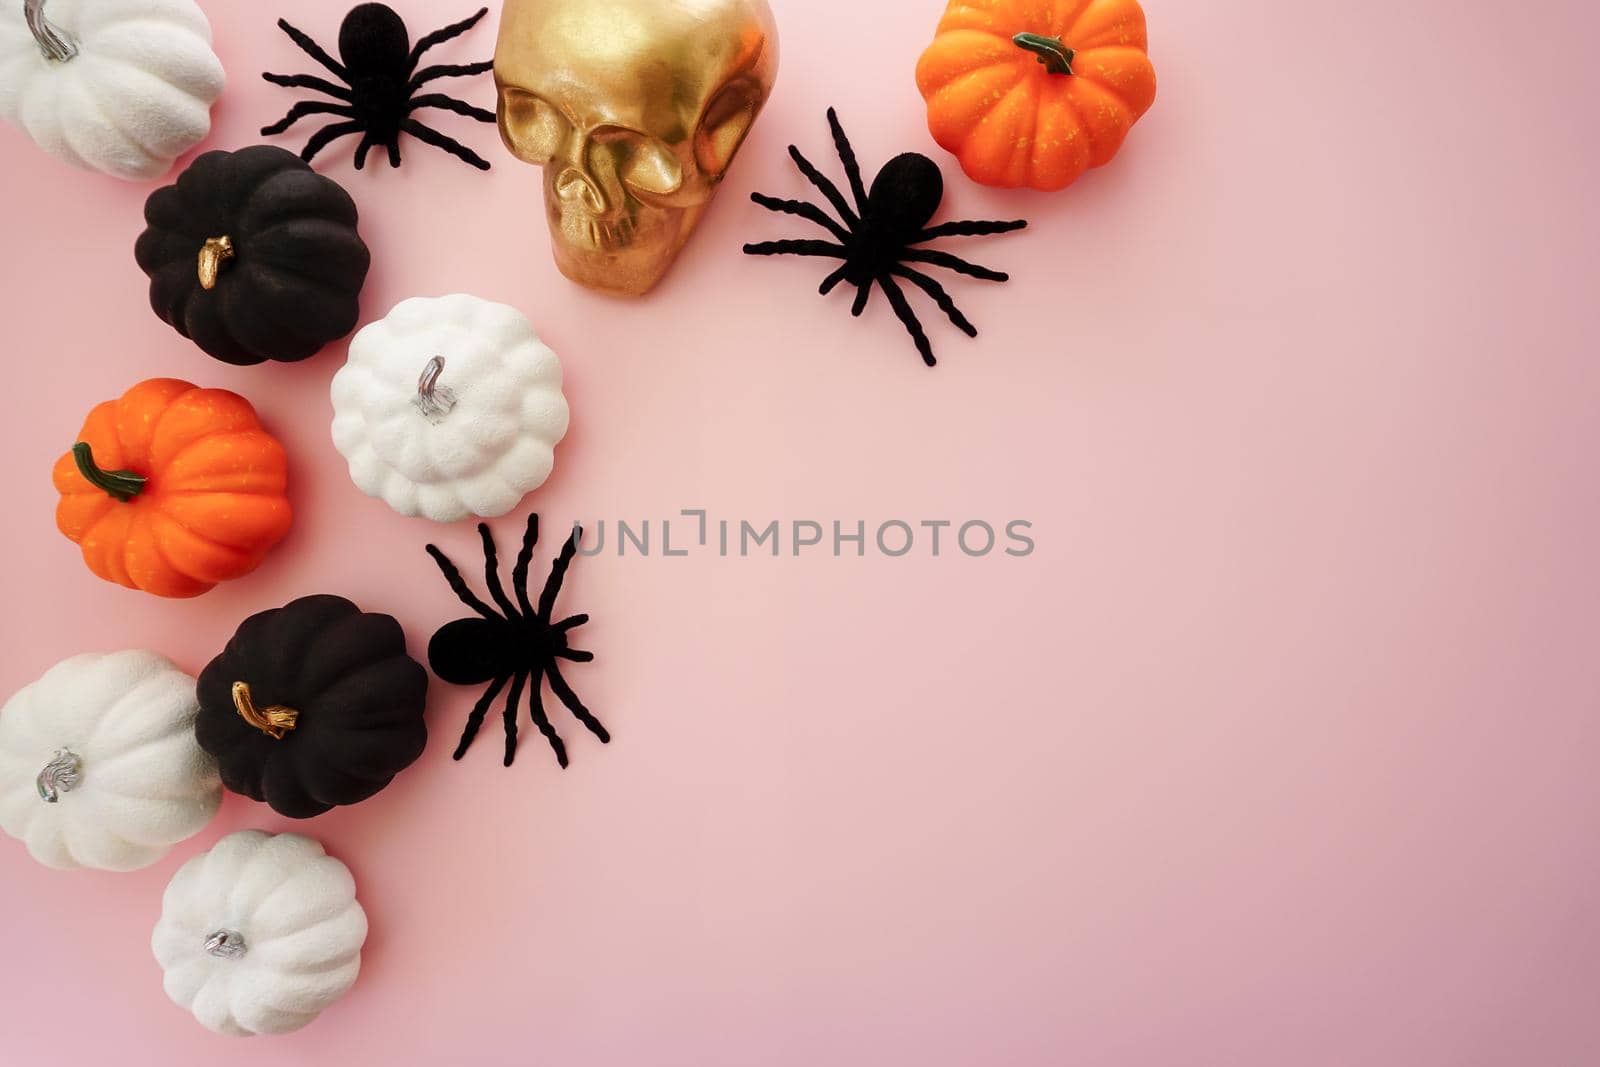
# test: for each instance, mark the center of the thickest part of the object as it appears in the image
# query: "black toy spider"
(517, 644)
(876, 239)
(380, 75)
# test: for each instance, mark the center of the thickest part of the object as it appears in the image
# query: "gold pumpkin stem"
(274, 721)
(213, 254)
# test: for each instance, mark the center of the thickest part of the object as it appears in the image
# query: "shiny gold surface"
(213, 254)
(635, 109)
(274, 720)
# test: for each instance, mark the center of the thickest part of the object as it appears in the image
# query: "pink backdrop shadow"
(1280, 749)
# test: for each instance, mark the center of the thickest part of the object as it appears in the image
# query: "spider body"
(474, 651)
(378, 81)
(374, 47)
(517, 643)
(902, 200)
(879, 236)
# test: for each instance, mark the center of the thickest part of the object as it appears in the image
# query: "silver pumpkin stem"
(59, 776)
(226, 944)
(56, 46)
(432, 399)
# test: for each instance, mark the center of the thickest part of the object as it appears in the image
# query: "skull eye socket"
(727, 121)
(533, 129)
(652, 168)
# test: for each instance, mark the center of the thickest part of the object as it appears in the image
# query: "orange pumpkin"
(173, 488)
(1035, 92)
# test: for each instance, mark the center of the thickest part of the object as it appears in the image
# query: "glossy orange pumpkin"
(173, 488)
(1035, 92)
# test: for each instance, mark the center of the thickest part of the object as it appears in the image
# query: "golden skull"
(635, 109)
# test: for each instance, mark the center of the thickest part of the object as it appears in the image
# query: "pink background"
(1279, 750)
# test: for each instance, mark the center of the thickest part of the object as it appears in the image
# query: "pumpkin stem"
(59, 776)
(226, 945)
(433, 399)
(56, 46)
(274, 721)
(213, 254)
(120, 485)
(1055, 55)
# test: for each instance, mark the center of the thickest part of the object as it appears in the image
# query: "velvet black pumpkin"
(254, 256)
(313, 705)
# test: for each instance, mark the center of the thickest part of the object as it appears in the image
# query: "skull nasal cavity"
(573, 184)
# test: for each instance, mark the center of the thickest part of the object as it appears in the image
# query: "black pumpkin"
(254, 256)
(313, 705)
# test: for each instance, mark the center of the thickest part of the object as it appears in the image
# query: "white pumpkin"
(119, 86)
(448, 407)
(260, 934)
(98, 762)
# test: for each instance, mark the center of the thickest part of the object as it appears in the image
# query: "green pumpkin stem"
(119, 485)
(1055, 55)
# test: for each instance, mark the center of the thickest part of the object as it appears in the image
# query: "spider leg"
(796, 248)
(449, 144)
(479, 710)
(940, 297)
(443, 34)
(970, 228)
(304, 108)
(902, 310)
(491, 571)
(832, 281)
(458, 585)
(810, 212)
(320, 139)
(847, 156)
(564, 693)
(394, 152)
(569, 624)
(576, 655)
(542, 721)
(309, 81)
(313, 49)
(519, 573)
(955, 263)
(361, 151)
(829, 190)
(450, 70)
(558, 573)
(512, 701)
(450, 103)
(863, 294)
